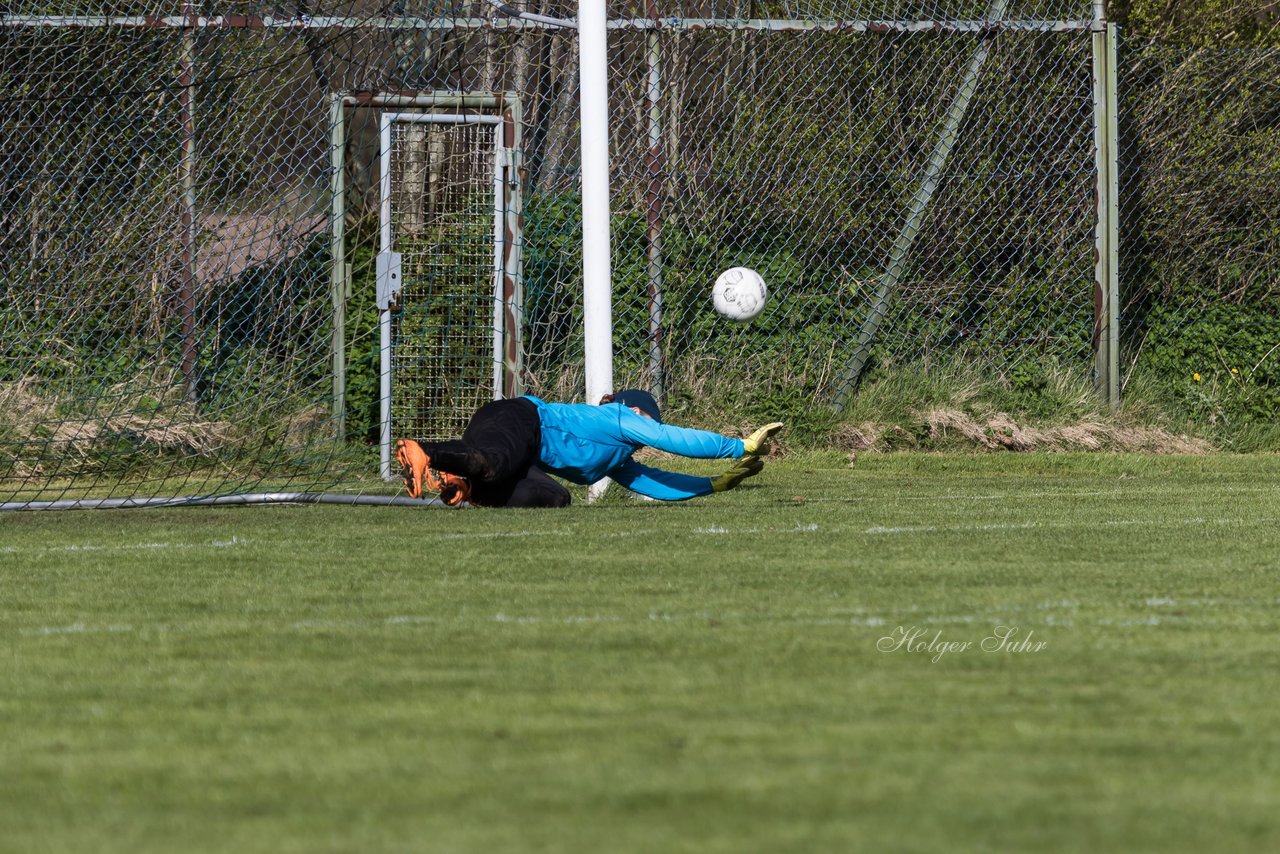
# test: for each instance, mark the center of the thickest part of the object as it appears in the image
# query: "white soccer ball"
(739, 294)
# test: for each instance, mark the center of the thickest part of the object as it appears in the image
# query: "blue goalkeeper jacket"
(583, 443)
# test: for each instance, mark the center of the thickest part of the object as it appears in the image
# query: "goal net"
(241, 249)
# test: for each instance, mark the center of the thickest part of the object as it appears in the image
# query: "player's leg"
(500, 443)
(535, 489)
(539, 489)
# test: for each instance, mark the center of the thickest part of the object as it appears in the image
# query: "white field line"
(1200, 602)
(1030, 614)
(638, 532)
(122, 547)
(497, 535)
(1014, 526)
(598, 619)
(960, 496)
(500, 618)
(954, 496)
(996, 526)
(513, 535)
(460, 535)
(812, 528)
(1004, 496)
(794, 529)
(714, 530)
(80, 629)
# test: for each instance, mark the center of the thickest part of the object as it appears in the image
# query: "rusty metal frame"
(409, 22)
(507, 107)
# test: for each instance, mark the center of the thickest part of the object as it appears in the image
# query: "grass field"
(751, 671)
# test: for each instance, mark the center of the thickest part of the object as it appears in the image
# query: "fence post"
(653, 202)
(338, 273)
(187, 168)
(1106, 284)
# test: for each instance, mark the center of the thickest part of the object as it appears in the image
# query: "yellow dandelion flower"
(1195, 377)
(1235, 370)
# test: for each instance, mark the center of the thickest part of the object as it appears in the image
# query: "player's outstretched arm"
(673, 486)
(659, 484)
(685, 441)
(688, 442)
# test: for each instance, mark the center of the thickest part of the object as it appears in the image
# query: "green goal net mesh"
(193, 212)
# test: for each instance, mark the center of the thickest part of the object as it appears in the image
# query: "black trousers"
(498, 453)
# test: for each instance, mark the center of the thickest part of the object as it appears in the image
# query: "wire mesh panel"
(189, 258)
(799, 154)
(165, 323)
(445, 223)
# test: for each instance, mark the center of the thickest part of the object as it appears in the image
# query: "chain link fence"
(1200, 248)
(192, 210)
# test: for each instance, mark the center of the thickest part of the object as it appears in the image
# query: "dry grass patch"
(1001, 432)
(946, 426)
(38, 428)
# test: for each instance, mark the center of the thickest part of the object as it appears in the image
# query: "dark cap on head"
(641, 400)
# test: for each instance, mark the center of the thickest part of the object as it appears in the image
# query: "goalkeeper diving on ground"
(510, 447)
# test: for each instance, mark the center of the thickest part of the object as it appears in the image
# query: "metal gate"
(447, 273)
